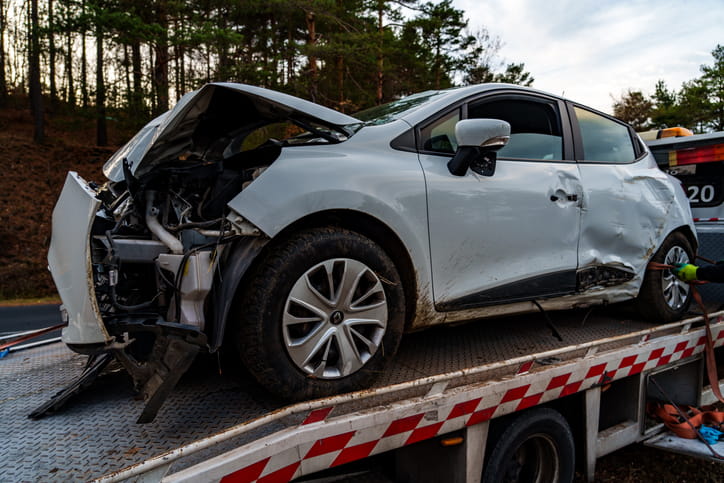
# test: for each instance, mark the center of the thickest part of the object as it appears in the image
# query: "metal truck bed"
(96, 434)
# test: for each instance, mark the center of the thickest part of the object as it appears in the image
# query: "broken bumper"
(69, 261)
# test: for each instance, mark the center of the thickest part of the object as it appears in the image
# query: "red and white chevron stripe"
(323, 441)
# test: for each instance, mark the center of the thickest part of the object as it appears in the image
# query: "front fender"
(237, 262)
(377, 181)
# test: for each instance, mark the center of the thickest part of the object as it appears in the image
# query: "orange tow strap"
(708, 341)
(686, 427)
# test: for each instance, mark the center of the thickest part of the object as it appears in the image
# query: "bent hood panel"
(222, 107)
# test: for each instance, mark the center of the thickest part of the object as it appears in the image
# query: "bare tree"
(51, 54)
(36, 95)
(3, 81)
(101, 130)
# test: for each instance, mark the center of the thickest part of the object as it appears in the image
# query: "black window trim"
(639, 153)
(503, 94)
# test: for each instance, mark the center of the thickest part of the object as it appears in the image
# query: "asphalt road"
(29, 317)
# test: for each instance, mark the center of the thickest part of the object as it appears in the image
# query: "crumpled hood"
(170, 134)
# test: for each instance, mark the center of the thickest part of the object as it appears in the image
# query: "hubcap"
(334, 318)
(675, 291)
(536, 460)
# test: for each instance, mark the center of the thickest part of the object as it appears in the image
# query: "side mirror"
(478, 139)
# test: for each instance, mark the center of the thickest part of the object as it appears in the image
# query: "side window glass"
(439, 135)
(604, 140)
(535, 127)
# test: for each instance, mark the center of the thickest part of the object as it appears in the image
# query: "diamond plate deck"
(96, 434)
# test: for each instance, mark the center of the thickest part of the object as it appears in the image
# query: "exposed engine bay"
(163, 234)
(161, 230)
(156, 243)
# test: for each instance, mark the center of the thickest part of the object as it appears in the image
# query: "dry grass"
(32, 177)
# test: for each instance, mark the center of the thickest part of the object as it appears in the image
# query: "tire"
(322, 315)
(663, 297)
(536, 446)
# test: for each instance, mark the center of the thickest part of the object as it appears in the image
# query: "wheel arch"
(372, 228)
(687, 231)
(244, 258)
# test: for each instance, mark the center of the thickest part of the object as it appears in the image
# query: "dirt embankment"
(31, 180)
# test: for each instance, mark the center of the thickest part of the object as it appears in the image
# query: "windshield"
(389, 112)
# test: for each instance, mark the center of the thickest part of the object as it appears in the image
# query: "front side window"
(535, 127)
(604, 140)
(439, 135)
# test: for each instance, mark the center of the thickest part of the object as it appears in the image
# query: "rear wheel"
(663, 297)
(536, 446)
(322, 315)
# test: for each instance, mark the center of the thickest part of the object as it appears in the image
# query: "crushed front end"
(134, 268)
(148, 264)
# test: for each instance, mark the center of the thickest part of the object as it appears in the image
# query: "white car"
(308, 240)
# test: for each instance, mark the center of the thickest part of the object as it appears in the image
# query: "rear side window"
(604, 140)
(535, 127)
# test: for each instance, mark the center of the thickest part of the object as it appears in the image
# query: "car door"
(512, 236)
(625, 195)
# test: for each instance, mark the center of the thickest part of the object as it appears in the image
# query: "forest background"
(79, 77)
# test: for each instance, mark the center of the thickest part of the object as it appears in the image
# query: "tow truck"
(698, 161)
(502, 400)
(470, 403)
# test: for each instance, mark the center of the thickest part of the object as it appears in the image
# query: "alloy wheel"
(675, 291)
(334, 318)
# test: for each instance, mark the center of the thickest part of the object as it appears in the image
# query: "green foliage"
(713, 83)
(697, 105)
(347, 54)
(634, 108)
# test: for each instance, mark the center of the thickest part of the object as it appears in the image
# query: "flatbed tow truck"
(456, 400)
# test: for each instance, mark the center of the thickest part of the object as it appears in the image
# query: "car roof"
(458, 94)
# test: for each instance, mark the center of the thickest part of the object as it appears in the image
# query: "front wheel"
(663, 297)
(322, 315)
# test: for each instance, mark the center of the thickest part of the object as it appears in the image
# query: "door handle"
(573, 197)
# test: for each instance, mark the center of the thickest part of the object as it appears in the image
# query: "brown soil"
(31, 180)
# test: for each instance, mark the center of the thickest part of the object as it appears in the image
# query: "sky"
(592, 51)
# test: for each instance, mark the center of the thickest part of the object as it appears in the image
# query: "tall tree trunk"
(160, 69)
(438, 73)
(127, 76)
(290, 52)
(36, 96)
(380, 57)
(3, 81)
(137, 103)
(177, 60)
(51, 52)
(339, 61)
(152, 94)
(101, 131)
(339, 66)
(70, 98)
(83, 63)
(182, 72)
(312, 58)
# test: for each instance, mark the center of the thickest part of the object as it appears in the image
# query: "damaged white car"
(308, 240)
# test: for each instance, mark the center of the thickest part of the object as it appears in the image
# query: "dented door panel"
(516, 227)
(627, 212)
